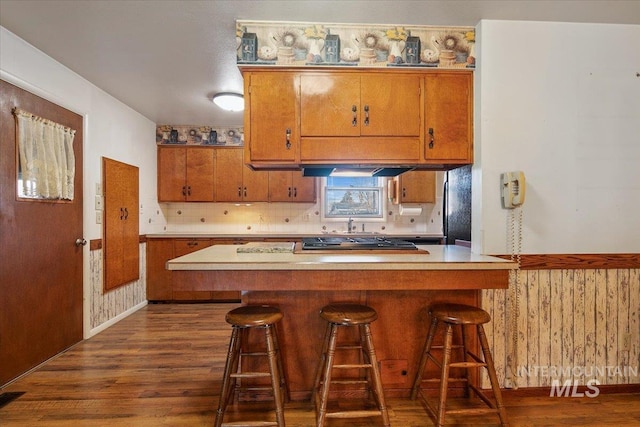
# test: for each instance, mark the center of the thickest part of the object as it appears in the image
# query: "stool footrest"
(353, 414)
(250, 424)
(251, 375)
(255, 353)
(471, 411)
(349, 347)
(352, 366)
(467, 365)
(346, 381)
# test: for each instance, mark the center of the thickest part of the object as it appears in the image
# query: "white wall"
(561, 102)
(111, 129)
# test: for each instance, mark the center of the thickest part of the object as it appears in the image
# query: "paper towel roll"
(410, 210)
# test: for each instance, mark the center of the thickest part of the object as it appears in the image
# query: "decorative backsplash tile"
(199, 135)
(361, 45)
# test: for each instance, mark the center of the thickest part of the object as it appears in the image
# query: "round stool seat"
(252, 316)
(459, 314)
(348, 314)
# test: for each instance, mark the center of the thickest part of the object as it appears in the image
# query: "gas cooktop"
(355, 243)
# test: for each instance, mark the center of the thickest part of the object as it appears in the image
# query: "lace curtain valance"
(47, 162)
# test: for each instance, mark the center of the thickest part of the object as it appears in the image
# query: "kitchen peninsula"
(398, 285)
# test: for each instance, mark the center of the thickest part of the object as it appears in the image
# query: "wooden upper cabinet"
(341, 116)
(360, 104)
(236, 182)
(271, 116)
(449, 117)
(414, 187)
(185, 174)
(362, 116)
(291, 186)
(121, 241)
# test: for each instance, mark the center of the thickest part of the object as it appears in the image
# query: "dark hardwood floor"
(162, 366)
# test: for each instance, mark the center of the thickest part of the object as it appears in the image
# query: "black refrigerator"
(457, 205)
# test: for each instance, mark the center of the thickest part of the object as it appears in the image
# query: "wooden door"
(416, 187)
(184, 247)
(390, 105)
(121, 223)
(255, 185)
(449, 117)
(304, 188)
(271, 126)
(159, 286)
(172, 163)
(330, 105)
(199, 174)
(40, 263)
(228, 175)
(280, 186)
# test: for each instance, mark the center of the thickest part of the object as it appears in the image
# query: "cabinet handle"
(354, 122)
(239, 191)
(188, 190)
(431, 138)
(126, 213)
(184, 190)
(366, 115)
(192, 244)
(121, 214)
(295, 191)
(288, 138)
(404, 192)
(245, 191)
(289, 192)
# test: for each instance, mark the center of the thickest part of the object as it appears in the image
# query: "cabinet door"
(228, 175)
(200, 174)
(255, 185)
(184, 247)
(280, 186)
(120, 224)
(449, 117)
(159, 286)
(416, 187)
(172, 163)
(271, 130)
(304, 187)
(390, 105)
(330, 105)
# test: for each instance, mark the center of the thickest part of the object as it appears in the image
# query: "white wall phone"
(513, 189)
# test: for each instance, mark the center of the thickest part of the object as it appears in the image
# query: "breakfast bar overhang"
(400, 286)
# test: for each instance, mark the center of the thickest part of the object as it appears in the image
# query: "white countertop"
(440, 257)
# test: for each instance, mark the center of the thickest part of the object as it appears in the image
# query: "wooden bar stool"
(242, 320)
(462, 315)
(348, 315)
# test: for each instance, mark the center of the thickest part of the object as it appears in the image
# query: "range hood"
(354, 170)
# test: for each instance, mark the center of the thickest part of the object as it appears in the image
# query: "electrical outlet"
(98, 217)
(98, 203)
(98, 188)
(305, 217)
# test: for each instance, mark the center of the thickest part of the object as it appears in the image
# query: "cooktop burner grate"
(354, 243)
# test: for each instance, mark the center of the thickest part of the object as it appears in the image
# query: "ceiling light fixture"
(229, 101)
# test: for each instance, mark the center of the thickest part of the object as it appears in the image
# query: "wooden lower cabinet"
(160, 281)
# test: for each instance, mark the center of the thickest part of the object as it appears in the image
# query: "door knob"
(81, 242)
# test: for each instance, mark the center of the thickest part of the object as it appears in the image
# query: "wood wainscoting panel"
(572, 324)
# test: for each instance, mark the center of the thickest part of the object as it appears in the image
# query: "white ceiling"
(158, 57)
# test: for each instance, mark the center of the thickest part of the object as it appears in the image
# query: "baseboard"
(116, 319)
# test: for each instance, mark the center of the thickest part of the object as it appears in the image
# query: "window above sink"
(353, 197)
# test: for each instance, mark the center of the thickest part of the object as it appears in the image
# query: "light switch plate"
(98, 203)
(98, 217)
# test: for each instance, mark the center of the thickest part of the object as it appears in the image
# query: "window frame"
(380, 189)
